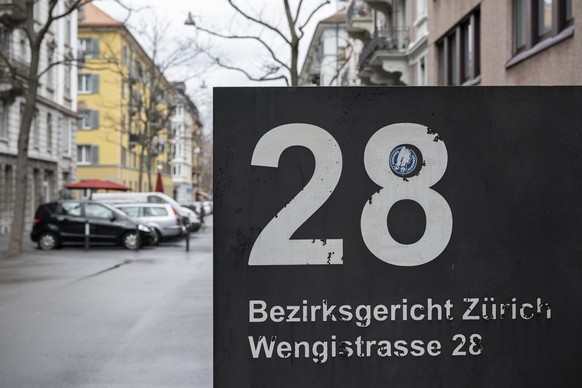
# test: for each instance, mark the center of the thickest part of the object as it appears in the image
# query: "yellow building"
(123, 101)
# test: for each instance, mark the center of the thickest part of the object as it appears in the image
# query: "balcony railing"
(12, 12)
(395, 39)
(17, 64)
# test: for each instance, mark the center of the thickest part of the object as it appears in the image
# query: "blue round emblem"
(404, 160)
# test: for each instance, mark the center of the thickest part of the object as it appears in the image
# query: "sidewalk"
(27, 244)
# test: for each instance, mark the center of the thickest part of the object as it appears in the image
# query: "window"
(49, 132)
(8, 178)
(68, 30)
(72, 209)
(441, 63)
(422, 71)
(89, 47)
(520, 11)
(138, 70)
(536, 20)
(458, 53)
(545, 14)
(50, 78)
(453, 60)
(68, 81)
(89, 119)
(154, 199)
(155, 211)
(87, 154)
(124, 55)
(47, 186)
(88, 83)
(3, 121)
(23, 48)
(35, 131)
(179, 110)
(63, 124)
(124, 89)
(123, 156)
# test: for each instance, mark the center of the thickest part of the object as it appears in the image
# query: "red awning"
(96, 184)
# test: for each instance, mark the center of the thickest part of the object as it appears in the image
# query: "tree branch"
(298, 10)
(343, 65)
(290, 21)
(311, 15)
(267, 77)
(248, 37)
(258, 21)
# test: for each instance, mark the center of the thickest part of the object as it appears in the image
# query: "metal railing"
(19, 65)
(394, 39)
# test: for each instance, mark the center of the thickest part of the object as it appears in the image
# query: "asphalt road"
(108, 317)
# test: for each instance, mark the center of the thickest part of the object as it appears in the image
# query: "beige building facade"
(504, 42)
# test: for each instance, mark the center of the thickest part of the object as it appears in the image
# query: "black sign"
(398, 237)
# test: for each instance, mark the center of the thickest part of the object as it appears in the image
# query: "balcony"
(13, 76)
(18, 65)
(359, 20)
(384, 6)
(394, 40)
(12, 12)
(384, 58)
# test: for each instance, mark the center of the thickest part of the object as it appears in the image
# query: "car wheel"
(156, 236)
(48, 241)
(131, 240)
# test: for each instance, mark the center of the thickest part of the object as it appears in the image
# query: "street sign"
(398, 237)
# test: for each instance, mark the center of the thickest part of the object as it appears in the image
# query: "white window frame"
(84, 154)
(87, 83)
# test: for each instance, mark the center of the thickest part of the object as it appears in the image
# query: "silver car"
(165, 223)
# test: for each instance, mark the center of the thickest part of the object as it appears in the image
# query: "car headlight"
(143, 228)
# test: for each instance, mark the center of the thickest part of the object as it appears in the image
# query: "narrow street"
(108, 317)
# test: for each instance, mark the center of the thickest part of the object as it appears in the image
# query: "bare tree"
(271, 35)
(150, 102)
(168, 54)
(36, 31)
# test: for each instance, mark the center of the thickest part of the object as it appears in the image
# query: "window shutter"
(95, 154)
(94, 48)
(95, 83)
(94, 119)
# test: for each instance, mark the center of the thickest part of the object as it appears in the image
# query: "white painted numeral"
(458, 350)
(439, 219)
(274, 245)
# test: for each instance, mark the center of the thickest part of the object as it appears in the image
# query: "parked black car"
(58, 223)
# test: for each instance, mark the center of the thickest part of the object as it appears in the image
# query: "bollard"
(137, 238)
(87, 234)
(188, 238)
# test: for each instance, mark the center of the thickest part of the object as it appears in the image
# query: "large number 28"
(274, 245)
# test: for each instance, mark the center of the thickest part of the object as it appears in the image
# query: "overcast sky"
(218, 15)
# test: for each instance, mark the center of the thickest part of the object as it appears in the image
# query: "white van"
(152, 197)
